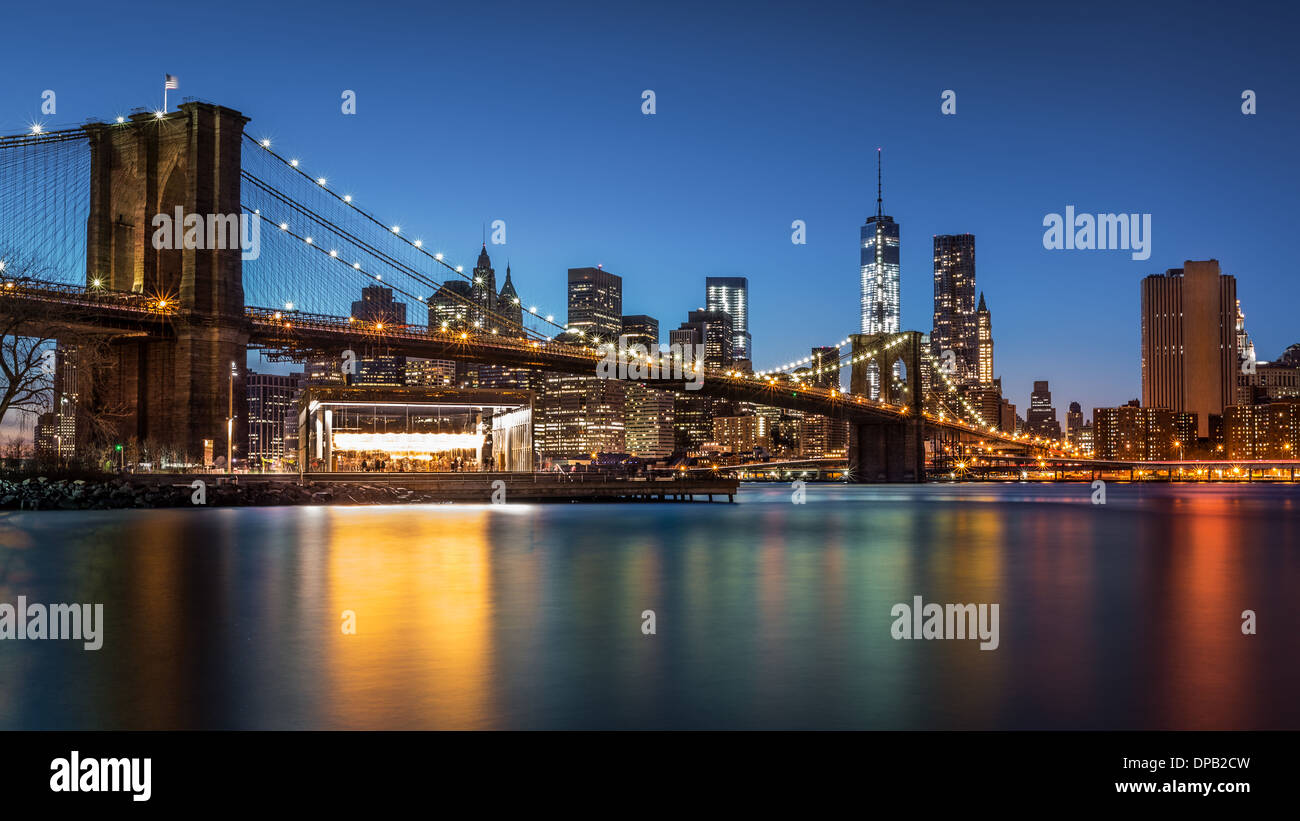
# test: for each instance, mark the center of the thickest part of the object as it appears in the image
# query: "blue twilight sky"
(531, 113)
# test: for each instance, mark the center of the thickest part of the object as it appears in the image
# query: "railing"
(290, 320)
(63, 293)
(470, 477)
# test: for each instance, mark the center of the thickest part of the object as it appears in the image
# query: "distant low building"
(272, 418)
(1085, 441)
(46, 425)
(1267, 382)
(1133, 433)
(648, 422)
(1269, 431)
(577, 416)
(740, 434)
(821, 437)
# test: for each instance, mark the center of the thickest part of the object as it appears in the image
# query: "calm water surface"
(769, 614)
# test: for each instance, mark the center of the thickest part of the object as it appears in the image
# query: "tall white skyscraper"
(881, 311)
(731, 295)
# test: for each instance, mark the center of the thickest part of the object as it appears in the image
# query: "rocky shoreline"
(45, 493)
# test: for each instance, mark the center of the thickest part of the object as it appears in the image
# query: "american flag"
(170, 81)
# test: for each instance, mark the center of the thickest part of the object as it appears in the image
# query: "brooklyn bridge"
(79, 210)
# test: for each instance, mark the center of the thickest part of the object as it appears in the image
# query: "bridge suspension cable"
(974, 415)
(789, 366)
(44, 203)
(355, 265)
(417, 246)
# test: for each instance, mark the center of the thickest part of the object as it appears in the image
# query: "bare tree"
(26, 366)
(34, 337)
(15, 449)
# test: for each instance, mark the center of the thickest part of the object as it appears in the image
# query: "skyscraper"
(576, 416)
(1074, 422)
(640, 329)
(506, 320)
(647, 413)
(451, 305)
(955, 323)
(378, 307)
(984, 341)
(1189, 341)
(713, 330)
(272, 417)
(826, 357)
(880, 268)
(1041, 418)
(66, 402)
(595, 302)
(648, 422)
(483, 290)
(509, 309)
(731, 296)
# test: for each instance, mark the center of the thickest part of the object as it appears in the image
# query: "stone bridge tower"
(174, 391)
(892, 451)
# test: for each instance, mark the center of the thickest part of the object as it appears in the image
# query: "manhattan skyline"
(710, 183)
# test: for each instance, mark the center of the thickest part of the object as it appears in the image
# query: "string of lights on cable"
(789, 366)
(328, 225)
(391, 228)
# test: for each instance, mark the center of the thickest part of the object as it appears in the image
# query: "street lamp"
(230, 424)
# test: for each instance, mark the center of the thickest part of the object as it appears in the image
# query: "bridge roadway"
(298, 335)
(285, 332)
(1005, 460)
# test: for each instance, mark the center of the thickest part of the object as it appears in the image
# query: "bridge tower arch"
(173, 393)
(888, 451)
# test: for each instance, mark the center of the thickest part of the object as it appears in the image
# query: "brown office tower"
(956, 325)
(1189, 343)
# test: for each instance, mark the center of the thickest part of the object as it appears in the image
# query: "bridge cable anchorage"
(264, 145)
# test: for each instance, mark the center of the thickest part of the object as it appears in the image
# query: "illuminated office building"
(984, 343)
(730, 295)
(955, 323)
(880, 309)
(1189, 341)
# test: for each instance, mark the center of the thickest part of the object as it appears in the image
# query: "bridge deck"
(301, 334)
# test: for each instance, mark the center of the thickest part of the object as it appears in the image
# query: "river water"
(767, 613)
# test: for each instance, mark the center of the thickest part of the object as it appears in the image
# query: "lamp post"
(230, 424)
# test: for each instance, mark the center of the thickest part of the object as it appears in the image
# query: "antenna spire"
(880, 208)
